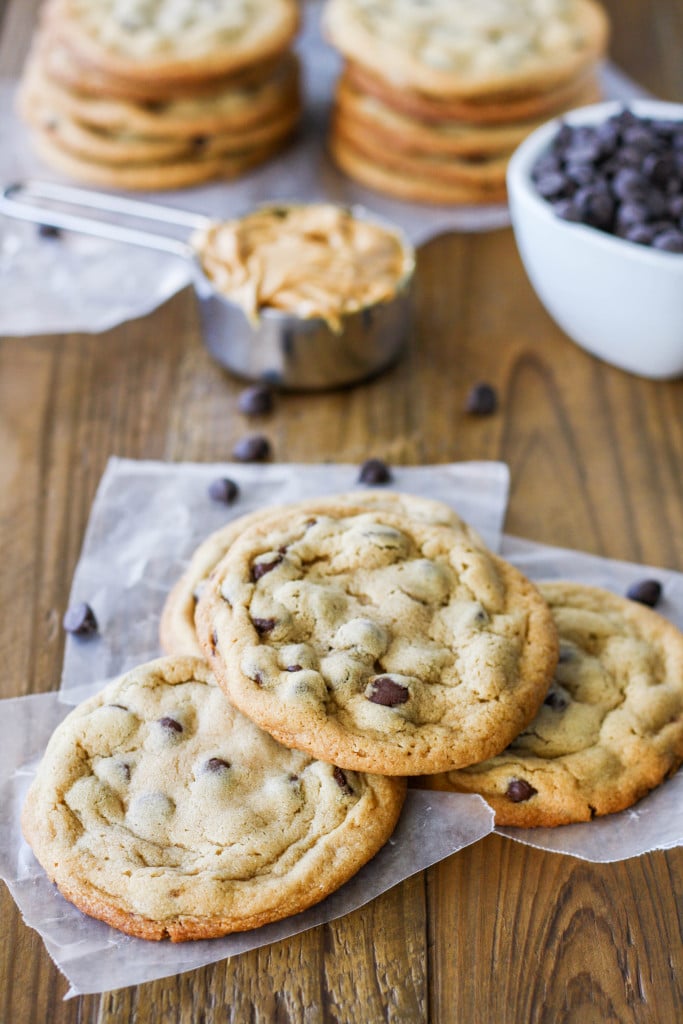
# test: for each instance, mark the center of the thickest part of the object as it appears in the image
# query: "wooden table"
(499, 933)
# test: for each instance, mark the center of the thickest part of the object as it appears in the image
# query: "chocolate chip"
(555, 701)
(263, 625)
(170, 724)
(552, 185)
(293, 778)
(645, 592)
(215, 765)
(255, 401)
(374, 471)
(482, 400)
(124, 770)
(388, 692)
(293, 668)
(259, 569)
(80, 620)
(224, 490)
(669, 241)
(566, 209)
(519, 790)
(48, 231)
(253, 448)
(341, 780)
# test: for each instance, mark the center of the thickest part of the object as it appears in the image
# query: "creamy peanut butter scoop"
(315, 260)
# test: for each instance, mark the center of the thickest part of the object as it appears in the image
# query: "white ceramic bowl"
(621, 301)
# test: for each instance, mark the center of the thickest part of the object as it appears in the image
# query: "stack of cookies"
(348, 642)
(137, 95)
(436, 95)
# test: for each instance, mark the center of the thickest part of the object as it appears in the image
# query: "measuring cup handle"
(18, 200)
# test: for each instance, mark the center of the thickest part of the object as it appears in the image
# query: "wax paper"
(145, 522)
(83, 284)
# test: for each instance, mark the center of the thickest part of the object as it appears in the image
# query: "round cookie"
(415, 187)
(375, 641)
(174, 40)
(471, 170)
(150, 176)
(64, 67)
(177, 631)
(491, 109)
(126, 149)
(611, 727)
(454, 48)
(408, 133)
(234, 107)
(161, 810)
(411, 135)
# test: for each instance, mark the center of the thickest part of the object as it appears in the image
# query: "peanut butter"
(317, 260)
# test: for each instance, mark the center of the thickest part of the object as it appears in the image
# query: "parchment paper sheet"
(140, 501)
(82, 284)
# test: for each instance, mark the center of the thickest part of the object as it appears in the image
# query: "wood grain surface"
(499, 933)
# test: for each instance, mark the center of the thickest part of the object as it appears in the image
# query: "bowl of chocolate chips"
(596, 201)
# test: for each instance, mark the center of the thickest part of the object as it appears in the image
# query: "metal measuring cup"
(282, 349)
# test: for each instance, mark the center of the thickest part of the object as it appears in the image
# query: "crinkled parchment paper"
(146, 520)
(83, 284)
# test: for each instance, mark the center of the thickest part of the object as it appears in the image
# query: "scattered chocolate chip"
(482, 400)
(555, 701)
(49, 231)
(80, 620)
(293, 778)
(215, 765)
(341, 780)
(253, 448)
(259, 569)
(124, 770)
(519, 790)
(293, 668)
(224, 490)
(388, 692)
(170, 724)
(374, 471)
(255, 401)
(263, 625)
(645, 592)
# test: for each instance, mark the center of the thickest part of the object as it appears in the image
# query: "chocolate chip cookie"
(177, 630)
(611, 727)
(161, 810)
(376, 641)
